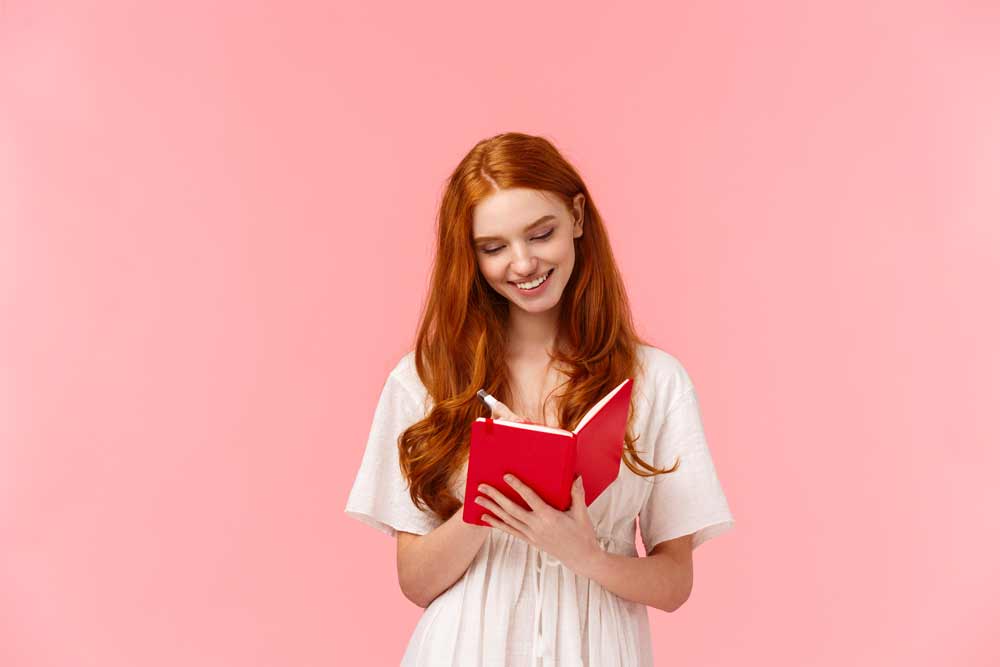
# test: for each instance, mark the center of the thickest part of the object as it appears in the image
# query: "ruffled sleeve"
(380, 497)
(690, 499)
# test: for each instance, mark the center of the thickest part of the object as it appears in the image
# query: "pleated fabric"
(516, 605)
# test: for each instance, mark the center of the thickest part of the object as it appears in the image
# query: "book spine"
(571, 472)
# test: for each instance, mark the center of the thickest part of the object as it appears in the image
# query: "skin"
(521, 255)
(508, 251)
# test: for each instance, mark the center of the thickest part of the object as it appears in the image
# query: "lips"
(528, 280)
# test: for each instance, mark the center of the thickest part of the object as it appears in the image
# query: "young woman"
(527, 303)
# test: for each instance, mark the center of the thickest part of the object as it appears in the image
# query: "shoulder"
(405, 374)
(406, 367)
(663, 375)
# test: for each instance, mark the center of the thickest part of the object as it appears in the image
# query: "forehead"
(509, 211)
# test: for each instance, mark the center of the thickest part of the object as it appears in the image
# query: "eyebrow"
(544, 218)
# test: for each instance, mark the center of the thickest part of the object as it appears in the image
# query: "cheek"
(566, 253)
(490, 271)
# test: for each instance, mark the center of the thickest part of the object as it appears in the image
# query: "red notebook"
(548, 459)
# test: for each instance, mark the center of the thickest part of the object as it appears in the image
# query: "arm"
(663, 579)
(427, 565)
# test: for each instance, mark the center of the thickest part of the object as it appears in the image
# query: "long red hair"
(461, 342)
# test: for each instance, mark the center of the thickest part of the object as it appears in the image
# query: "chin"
(539, 306)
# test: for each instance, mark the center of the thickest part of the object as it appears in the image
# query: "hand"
(566, 536)
(501, 411)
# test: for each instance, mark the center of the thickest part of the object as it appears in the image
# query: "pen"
(488, 399)
(491, 401)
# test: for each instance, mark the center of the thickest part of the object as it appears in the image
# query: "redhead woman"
(526, 302)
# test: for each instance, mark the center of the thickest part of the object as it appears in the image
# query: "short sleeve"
(380, 497)
(690, 499)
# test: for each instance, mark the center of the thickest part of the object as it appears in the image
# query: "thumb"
(578, 496)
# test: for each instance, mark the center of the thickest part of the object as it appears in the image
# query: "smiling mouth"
(544, 276)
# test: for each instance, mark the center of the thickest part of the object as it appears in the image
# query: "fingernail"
(482, 487)
(508, 478)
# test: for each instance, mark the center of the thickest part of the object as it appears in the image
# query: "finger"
(534, 501)
(501, 411)
(578, 500)
(496, 523)
(501, 513)
(506, 503)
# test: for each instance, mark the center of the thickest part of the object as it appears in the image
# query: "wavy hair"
(462, 338)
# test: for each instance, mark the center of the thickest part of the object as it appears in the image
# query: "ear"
(578, 209)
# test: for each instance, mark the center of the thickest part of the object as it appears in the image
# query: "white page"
(597, 408)
(548, 429)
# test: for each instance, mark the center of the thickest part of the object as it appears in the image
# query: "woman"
(526, 300)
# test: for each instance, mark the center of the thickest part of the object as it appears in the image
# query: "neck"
(532, 334)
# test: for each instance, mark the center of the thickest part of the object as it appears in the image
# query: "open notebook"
(548, 459)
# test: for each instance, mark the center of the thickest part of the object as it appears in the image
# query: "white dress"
(515, 605)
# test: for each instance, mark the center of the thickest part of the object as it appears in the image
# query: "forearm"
(431, 563)
(655, 580)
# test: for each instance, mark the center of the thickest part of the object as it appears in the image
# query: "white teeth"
(534, 283)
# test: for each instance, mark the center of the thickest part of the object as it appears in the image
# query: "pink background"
(216, 226)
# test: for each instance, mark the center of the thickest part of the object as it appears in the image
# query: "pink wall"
(215, 232)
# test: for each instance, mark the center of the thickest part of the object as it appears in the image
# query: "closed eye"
(542, 237)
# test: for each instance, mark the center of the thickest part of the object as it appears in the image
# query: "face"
(522, 235)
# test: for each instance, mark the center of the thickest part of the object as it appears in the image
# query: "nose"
(524, 264)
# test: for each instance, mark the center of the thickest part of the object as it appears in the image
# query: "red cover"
(548, 459)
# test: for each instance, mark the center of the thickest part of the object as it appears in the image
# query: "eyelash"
(493, 251)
